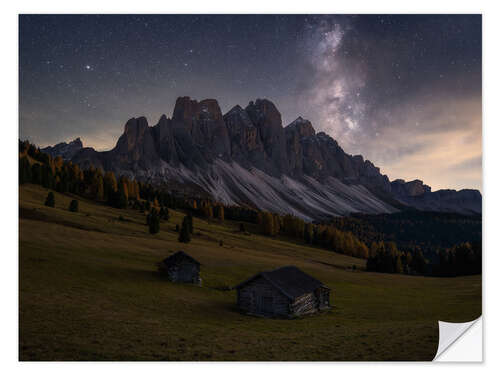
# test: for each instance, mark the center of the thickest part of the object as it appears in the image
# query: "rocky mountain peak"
(246, 156)
(187, 111)
(413, 188)
(210, 108)
(63, 149)
(264, 113)
(77, 142)
(135, 127)
(236, 117)
(303, 127)
(184, 109)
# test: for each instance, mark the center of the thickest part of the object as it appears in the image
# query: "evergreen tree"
(47, 177)
(267, 225)
(36, 174)
(398, 267)
(164, 214)
(50, 201)
(100, 188)
(110, 185)
(154, 222)
(190, 222)
(185, 235)
(24, 170)
(122, 196)
(219, 212)
(73, 206)
(207, 210)
(418, 263)
(308, 233)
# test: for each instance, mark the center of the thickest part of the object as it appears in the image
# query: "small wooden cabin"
(286, 292)
(180, 267)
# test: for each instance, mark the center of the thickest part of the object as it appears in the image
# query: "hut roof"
(291, 281)
(178, 257)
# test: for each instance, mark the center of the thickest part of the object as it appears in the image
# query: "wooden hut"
(285, 292)
(180, 267)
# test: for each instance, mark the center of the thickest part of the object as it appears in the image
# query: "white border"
(8, 149)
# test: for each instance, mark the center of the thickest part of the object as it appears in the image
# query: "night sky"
(403, 91)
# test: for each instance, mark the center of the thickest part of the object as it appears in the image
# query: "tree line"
(349, 235)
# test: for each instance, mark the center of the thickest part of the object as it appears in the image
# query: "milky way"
(404, 91)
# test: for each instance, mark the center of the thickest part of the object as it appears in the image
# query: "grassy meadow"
(89, 290)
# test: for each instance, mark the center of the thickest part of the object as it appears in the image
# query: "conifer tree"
(154, 222)
(124, 183)
(185, 235)
(122, 196)
(267, 225)
(308, 233)
(398, 267)
(24, 170)
(190, 222)
(219, 212)
(73, 206)
(110, 185)
(164, 214)
(100, 188)
(50, 201)
(47, 177)
(36, 174)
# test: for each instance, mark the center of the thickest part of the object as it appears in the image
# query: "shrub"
(73, 206)
(50, 201)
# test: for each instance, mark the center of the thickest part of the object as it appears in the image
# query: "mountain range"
(246, 157)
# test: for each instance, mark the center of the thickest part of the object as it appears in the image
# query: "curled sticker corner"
(451, 332)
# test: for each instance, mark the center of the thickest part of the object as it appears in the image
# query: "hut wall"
(262, 298)
(305, 304)
(184, 272)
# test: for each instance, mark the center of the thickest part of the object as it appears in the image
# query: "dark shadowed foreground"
(89, 291)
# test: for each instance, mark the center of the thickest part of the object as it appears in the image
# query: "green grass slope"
(88, 290)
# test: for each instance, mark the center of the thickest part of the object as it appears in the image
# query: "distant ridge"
(247, 157)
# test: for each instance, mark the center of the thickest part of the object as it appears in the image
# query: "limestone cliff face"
(201, 146)
(265, 116)
(203, 122)
(297, 134)
(246, 143)
(412, 188)
(136, 145)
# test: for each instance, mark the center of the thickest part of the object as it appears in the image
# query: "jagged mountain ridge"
(66, 150)
(246, 156)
